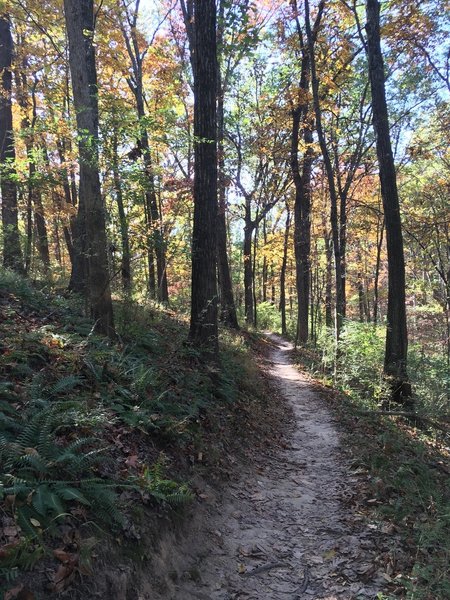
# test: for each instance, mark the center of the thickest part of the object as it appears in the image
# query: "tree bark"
(248, 270)
(124, 236)
(283, 273)
(12, 251)
(395, 360)
(380, 235)
(79, 15)
(203, 331)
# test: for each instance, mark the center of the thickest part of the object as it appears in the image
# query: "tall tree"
(12, 252)
(136, 53)
(34, 195)
(301, 125)
(203, 44)
(340, 298)
(395, 361)
(79, 16)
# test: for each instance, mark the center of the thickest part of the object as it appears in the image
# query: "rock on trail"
(282, 531)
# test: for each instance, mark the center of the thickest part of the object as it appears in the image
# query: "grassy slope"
(90, 431)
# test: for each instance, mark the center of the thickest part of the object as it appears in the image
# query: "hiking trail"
(284, 530)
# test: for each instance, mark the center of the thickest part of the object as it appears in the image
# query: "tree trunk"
(328, 279)
(254, 264)
(71, 200)
(302, 237)
(79, 15)
(29, 236)
(12, 252)
(125, 240)
(154, 220)
(39, 219)
(302, 183)
(265, 267)
(248, 272)
(395, 360)
(283, 273)
(335, 226)
(377, 274)
(228, 313)
(156, 234)
(203, 331)
(34, 196)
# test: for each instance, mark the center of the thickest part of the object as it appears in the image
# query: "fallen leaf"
(19, 593)
(62, 555)
(132, 460)
(63, 577)
(11, 532)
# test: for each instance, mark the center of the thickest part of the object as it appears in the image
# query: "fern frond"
(66, 384)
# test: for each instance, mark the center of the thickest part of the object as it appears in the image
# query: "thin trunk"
(254, 263)
(29, 237)
(328, 280)
(124, 237)
(273, 287)
(58, 253)
(39, 218)
(377, 274)
(343, 249)
(228, 313)
(361, 301)
(335, 227)
(283, 273)
(248, 270)
(157, 238)
(135, 82)
(12, 252)
(70, 197)
(265, 267)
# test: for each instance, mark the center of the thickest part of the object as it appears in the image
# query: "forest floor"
(288, 525)
(252, 482)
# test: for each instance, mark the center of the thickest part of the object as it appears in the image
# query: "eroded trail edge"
(286, 528)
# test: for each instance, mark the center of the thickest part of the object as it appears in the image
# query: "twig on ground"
(302, 589)
(264, 568)
(409, 415)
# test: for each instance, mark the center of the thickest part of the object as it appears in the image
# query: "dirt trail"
(283, 530)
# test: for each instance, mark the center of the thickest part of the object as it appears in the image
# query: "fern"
(46, 478)
(162, 489)
(66, 384)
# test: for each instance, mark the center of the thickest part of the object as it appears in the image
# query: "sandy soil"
(285, 529)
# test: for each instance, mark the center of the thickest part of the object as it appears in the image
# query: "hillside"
(101, 440)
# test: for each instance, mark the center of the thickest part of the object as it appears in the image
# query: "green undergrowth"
(89, 428)
(407, 468)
